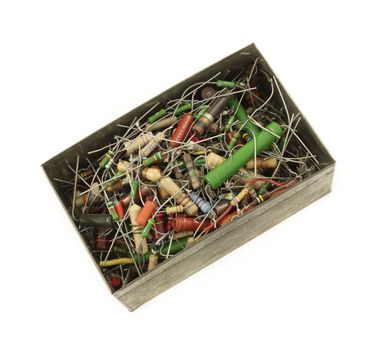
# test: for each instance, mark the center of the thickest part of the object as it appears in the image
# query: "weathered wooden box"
(229, 237)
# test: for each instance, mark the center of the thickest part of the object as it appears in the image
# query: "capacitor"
(194, 179)
(204, 206)
(95, 220)
(160, 226)
(207, 92)
(181, 223)
(102, 243)
(203, 123)
(181, 130)
(140, 141)
(173, 189)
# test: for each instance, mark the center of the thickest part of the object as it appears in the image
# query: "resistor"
(153, 118)
(155, 158)
(261, 198)
(134, 211)
(112, 211)
(185, 107)
(204, 122)
(152, 174)
(204, 206)
(161, 124)
(269, 163)
(119, 209)
(104, 162)
(183, 234)
(145, 213)
(194, 179)
(152, 145)
(228, 125)
(160, 227)
(152, 262)
(225, 84)
(180, 224)
(145, 233)
(172, 188)
(102, 243)
(240, 196)
(86, 173)
(234, 139)
(140, 141)
(134, 188)
(174, 210)
(181, 130)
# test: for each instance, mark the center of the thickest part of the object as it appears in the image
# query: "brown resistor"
(181, 130)
(269, 163)
(181, 224)
(173, 189)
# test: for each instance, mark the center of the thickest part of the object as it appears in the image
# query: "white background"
(316, 281)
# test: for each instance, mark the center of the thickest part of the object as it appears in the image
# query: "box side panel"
(225, 240)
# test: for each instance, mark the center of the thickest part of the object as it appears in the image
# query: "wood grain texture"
(224, 240)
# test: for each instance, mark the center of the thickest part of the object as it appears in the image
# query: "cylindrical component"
(200, 202)
(208, 118)
(181, 130)
(119, 209)
(221, 206)
(225, 84)
(138, 143)
(191, 241)
(174, 210)
(163, 193)
(160, 227)
(147, 228)
(213, 160)
(152, 174)
(242, 116)
(134, 211)
(86, 173)
(95, 220)
(173, 190)
(145, 213)
(161, 124)
(112, 211)
(234, 138)
(201, 112)
(261, 198)
(183, 234)
(152, 145)
(152, 262)
(207, 92)
(227, 218)
(240, 196)
(180, 224)
(228, 125)
(134, 188)
(185, 107)
(102, 243)
(116, 282)
(105, 160)
(169, 224)
(153, 118)
(269, 163)
(194, 179)
(124, 166)
(155, 158)
(125, 200)
(239, 158)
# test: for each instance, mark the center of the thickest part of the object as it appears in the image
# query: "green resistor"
(183, 108)
(147, 228)
(201, 112)
(156, 157)
(112, 211)
(264, 188)
(225, 84)
(229, 123)
(233, 140)
(153, 118)
(106, 159)
(134, 188)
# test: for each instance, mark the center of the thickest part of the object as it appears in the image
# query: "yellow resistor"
(173, 210)
(113, 262)
(240, 196)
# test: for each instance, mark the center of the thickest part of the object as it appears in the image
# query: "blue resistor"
(202, 204)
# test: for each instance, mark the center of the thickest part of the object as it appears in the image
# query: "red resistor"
(116, 282)
(181, 130)
(145, 213)
(102, 243)
(181, 224)
(125, 200)
(169, 224)
(119, 209)
(160, 226)
(144, 192)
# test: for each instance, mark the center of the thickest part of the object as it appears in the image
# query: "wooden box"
(229, 237)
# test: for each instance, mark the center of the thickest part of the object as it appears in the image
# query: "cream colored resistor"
(173, 189)
(213, 160)
(163, 193)
(152, 174)
(190, 242)
(95, 190)
(152, 145)
(179, 235)
(269, 163)
(161, 124)
(139, 142)
(173, 210)
(134, 211)
(152, 262)
(240, 196)
(124, 166)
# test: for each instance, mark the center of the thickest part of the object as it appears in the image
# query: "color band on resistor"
(204, 206)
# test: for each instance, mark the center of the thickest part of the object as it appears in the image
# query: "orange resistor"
(145, 213)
